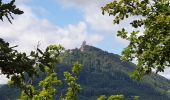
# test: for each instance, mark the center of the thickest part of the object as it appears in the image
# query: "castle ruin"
(83, 46)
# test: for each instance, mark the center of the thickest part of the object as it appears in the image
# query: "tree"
(6, 10)
(11, 61)
(152, 47)
(45, 62)
(102, 97)
(135, 97)
(23, 68)
(73, 87)
(112, 97)
(47, 87)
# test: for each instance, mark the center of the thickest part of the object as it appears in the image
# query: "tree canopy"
(11, 61)
(23, 68)
(152, 47)
(6, 10)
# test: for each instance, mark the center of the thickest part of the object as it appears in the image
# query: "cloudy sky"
(65, 22)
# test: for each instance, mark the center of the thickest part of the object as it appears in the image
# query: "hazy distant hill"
(105, 74)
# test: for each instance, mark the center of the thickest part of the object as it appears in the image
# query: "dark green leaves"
(13, 62)
(112, 97)
(150, 47)
(6, 10)
(137, 23)
(76, 68)
(71, 78)
(123, 34)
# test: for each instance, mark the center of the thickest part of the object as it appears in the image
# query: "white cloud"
(83, 3)
(27, 30)
(94, 18)
(103, 23)
(3, 79)
(98, 22)
(17, 1)
(166, 73)
(93, 14)
(22, 1)
(78, 3)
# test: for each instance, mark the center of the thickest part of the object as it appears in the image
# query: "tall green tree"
(7, 10)
(23, 68)
(11, 61)
(151, 49)
(71, 78)
(46, 89)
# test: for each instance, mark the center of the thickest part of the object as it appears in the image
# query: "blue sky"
(65, 22)
(55, 12)
(62, 15)
(60, 18)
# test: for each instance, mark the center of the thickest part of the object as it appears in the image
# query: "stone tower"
(83, 46)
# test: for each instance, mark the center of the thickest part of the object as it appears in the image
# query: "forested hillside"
(104, 74)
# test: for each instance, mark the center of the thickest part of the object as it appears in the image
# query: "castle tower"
(83, 46)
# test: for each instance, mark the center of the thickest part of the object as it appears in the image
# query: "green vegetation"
(73, 87)
(45, 63)
(46, 90)
(11, 61)
(104, 74)
(112, 97)
(8, 9)
(151, 46)
(22, 68)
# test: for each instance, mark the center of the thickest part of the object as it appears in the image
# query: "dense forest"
(103, 74)
(54, 73)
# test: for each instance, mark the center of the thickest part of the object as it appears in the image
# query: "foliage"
(23, 68)
(151, 48)
(168, 92)
(45, 62)
(135, 97)
(112, 97)
(8, 9)
(102, 97)
(71, 78)
(116, 97)
(20, 67)
(103, 74)
(11, 61)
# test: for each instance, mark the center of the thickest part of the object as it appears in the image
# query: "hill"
(105, 74)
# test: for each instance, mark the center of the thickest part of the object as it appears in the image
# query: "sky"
(65, 22)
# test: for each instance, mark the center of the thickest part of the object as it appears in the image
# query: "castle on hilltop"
(83, 46)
